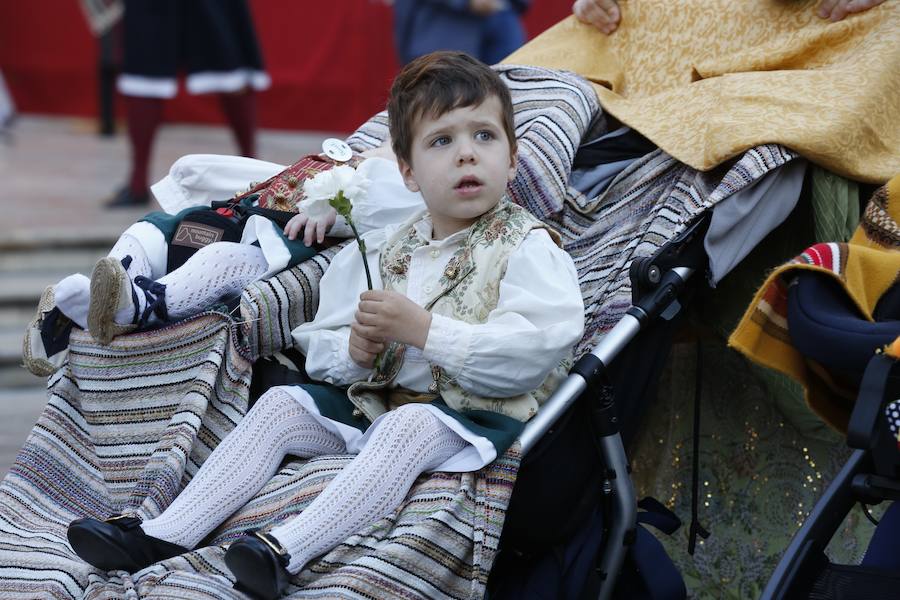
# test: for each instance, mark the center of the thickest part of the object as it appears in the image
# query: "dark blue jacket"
(423, 26)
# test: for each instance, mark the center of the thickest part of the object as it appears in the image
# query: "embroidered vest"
(468, 290)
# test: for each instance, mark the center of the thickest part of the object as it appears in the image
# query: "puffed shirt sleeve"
(199, 179)
(386, 202)
(538, 319)
(326, 339)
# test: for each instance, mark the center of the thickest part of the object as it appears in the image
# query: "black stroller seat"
(828, 329)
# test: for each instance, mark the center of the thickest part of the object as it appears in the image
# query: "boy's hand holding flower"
(363, 351)
(384, 316)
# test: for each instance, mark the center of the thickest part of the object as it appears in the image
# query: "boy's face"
(461, 163)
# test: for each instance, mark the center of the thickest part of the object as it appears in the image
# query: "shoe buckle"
(127, 520)
(265, 539)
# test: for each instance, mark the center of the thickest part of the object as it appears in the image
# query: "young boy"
(477, 313)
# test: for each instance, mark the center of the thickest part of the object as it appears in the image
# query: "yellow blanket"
(707, 79)
(866, 267)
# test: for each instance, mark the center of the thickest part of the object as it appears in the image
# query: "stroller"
(827, 328)
(110, 439)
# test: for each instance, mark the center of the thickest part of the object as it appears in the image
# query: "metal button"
(337, 150)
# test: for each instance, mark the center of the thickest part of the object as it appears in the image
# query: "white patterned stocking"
(240, 465)
(407, 442)
(214, 272)
(128, 245)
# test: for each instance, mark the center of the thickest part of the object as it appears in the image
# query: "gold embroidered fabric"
(708, 79)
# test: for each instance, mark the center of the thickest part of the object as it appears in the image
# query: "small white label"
(336, 149)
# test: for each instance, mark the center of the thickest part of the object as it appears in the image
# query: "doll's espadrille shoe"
(111, 291)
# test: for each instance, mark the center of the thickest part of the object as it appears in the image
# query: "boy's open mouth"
(468, 183)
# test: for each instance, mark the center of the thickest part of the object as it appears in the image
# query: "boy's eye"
(484, 136)
(442, 140)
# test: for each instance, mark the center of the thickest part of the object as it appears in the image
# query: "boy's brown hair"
(437, 83)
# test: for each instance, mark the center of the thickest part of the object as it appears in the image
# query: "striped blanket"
(127, 425)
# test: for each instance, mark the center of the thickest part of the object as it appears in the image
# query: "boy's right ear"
(409, 178)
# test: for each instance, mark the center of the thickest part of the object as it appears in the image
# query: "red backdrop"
(331, 62)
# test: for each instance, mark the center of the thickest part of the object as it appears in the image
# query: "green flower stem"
(362, 250)
(342, 205)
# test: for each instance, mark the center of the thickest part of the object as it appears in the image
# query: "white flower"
(319, 190)
(315, 209)
(327, 184)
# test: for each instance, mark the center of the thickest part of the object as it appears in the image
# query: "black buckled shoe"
(118, 544)
(259, 563)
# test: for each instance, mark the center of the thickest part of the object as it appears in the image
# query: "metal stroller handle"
(589, 373)
(576, 383)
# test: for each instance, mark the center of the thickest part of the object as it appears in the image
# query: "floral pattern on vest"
(468, 290)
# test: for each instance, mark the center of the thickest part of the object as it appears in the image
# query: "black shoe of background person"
(118, 544)
(125, 198)
(259, 563)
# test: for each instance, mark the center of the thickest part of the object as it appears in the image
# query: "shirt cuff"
(328, 359)
(349, 371)
(448, 344)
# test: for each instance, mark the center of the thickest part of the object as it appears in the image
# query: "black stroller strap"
(696, 529)
(281, 217)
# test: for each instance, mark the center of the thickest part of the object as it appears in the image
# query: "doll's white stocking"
(72, 294)
(214, 272)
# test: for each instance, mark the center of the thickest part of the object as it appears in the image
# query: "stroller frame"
(869, 476)
(657, 284)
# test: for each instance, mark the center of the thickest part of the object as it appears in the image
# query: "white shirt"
(538, 319)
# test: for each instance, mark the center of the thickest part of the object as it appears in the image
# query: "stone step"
(13, 320)
(55, 260)
(11, 344)
(84, 236)
(26, 274)
(13, 376)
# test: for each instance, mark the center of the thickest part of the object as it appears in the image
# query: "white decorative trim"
(227, 81)
(147, 87)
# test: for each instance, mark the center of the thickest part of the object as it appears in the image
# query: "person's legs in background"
(143, 117)
(240, 111)
(214, 43)
(148, 79)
